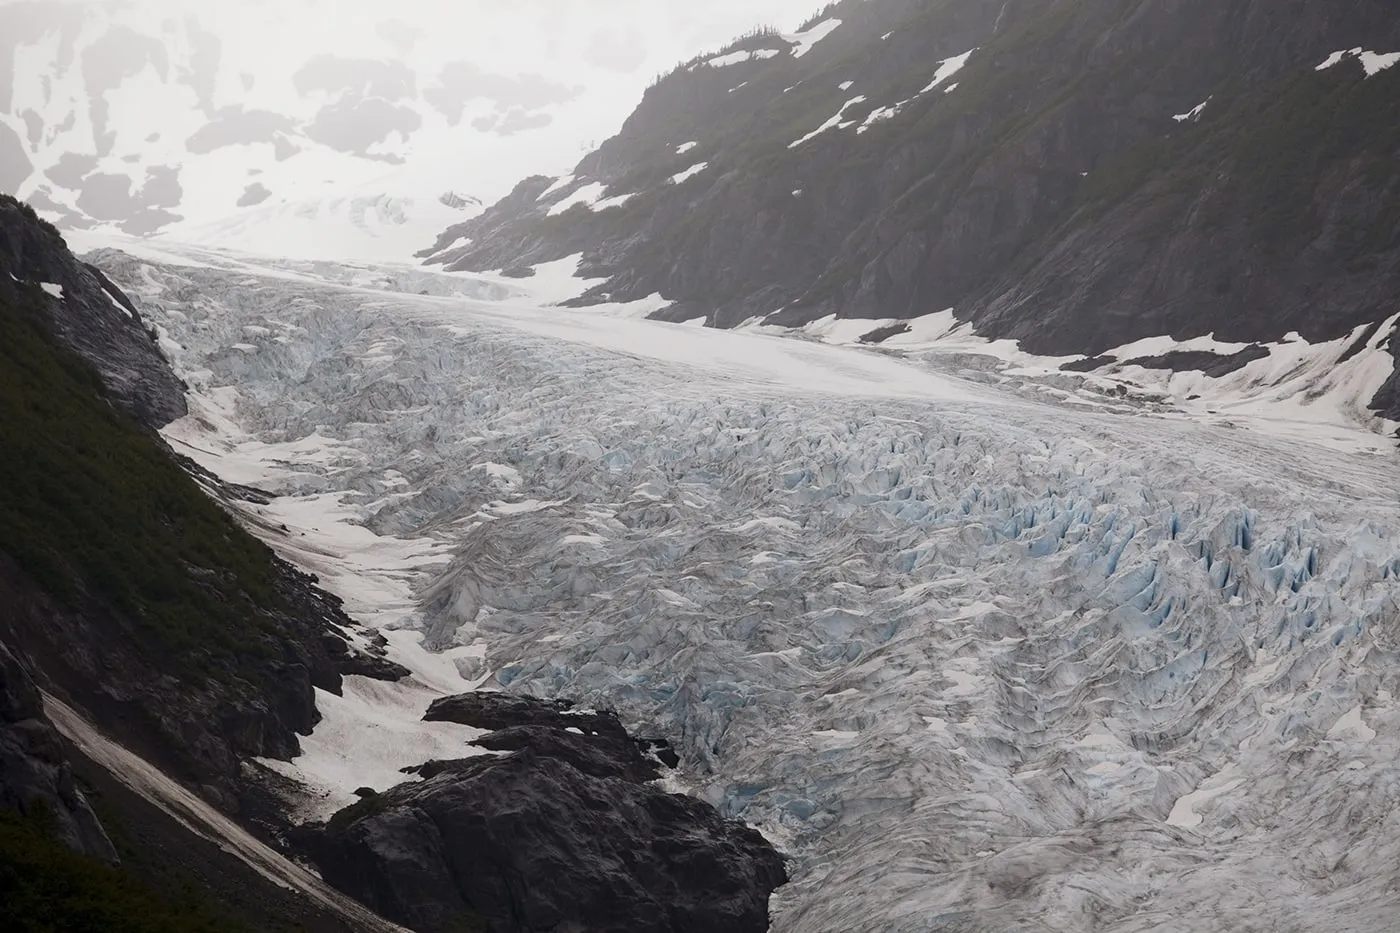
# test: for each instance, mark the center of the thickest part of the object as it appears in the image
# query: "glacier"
(974, 658)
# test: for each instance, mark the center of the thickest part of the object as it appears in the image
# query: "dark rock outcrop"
(34, 770)
(560, 834)
(93, 318)
(592, 740)
(1098, 172)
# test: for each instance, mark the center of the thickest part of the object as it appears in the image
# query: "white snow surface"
(978, 647)
(1372, 62)
(689, 173)
(734, 58)
(52, 288)
(586, 195)
(1193, 114)
(947, 68)
(802, 42)
(836, 122)
(372, 224)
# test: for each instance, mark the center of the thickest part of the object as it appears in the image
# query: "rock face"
(92, 317)
(560, 834)
(593, 741)
(34, 771)
(1076, 175)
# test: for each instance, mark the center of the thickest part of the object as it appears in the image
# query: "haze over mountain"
(239, 123)
(1079, 177)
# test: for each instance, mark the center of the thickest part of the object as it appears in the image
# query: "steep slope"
(89, 314)
(130, 591)
(127, 590)
(1077, 175)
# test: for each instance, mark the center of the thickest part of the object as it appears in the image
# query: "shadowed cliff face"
(125, 587)
(89, 315)
(34, 770)
(1075, 175)
(561, 832)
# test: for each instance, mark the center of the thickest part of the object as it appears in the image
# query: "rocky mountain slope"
(463, 841)
(133, 592)
(129, 592)
(1075, 175)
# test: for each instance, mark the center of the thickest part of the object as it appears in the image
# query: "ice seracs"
(878, 598)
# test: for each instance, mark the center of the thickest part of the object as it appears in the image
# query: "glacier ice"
(977, 662)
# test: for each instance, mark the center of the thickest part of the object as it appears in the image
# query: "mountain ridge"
(1075, 177)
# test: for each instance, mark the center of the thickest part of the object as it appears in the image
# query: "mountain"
(135, 118)
(130, 595)
(1078, 176)
(234, 127)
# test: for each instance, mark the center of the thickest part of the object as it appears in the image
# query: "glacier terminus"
(972, 655)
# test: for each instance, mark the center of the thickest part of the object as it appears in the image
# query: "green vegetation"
(30, 214)
(91, 505)
(47, 888)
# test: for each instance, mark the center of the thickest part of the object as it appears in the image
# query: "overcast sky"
(604, 51)
(149, 113)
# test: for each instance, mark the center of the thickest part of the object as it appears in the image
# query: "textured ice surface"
(977, 661)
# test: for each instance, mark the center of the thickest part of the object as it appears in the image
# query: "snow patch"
(1184, 813)
(1352, 726)
(803, 42)
(689, 173)
(734, 58)
(1194, 114)
(947, 68)
(587, 195)
(834, 122)
(1372, 62)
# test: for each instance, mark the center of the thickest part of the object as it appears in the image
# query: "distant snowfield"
(970, 638)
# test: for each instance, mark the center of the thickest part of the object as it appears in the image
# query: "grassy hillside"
(45, 888)
(91, 505)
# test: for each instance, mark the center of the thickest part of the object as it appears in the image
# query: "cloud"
(620, 51)
(358, 77)
(515, 120)
(402, 36)
(459, 83)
